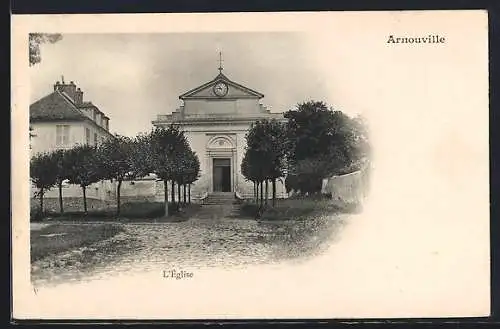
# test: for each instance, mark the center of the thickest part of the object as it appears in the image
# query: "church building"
(215, 117)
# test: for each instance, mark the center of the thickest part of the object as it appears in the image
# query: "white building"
(62, 120)
(215, 117)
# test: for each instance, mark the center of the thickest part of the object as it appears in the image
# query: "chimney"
(68, 88)
(78, 97)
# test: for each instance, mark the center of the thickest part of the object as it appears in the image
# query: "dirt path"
(211, 238)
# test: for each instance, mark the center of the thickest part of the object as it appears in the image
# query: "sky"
(134, 77)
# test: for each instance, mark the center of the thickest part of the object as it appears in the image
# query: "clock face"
(220, 89)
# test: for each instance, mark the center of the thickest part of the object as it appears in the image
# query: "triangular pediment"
(234, 90)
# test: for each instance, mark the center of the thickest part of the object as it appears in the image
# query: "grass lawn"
(56, 238)
(131, 212)
(299, 208)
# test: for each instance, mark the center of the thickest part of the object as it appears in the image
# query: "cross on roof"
(220, 62)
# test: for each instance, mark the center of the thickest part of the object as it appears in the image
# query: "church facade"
(215, 118)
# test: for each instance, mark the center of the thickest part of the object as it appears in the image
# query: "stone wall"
(71, 204)
(246, 190)
(137, 190)
(103, 190)
(349, 189)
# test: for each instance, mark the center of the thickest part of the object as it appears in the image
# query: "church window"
(62, 135)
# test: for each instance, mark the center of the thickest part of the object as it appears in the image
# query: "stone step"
(223, 199)
(219, 198)
(223, 196)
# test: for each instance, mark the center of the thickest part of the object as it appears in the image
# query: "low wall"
(350, 188)
(246, 191)
(103, 190)
(142, 190)
(70, 204)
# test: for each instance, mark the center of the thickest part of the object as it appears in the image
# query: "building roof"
(87, 104)
(59, 106)
(55, 106)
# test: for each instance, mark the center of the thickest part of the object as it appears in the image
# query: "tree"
(361, 143)
(60, 160)
(191, 172)
(248, 170)
(84, 168)
(265, 156)
(180, 155)
(141, 156)
(276, 134)
(188, 171)
(36, 40)
(253, 169)
(117, 162)
(43, 174)
(321, 142)
(167, 147)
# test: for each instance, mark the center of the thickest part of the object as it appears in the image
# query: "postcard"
(297, 165)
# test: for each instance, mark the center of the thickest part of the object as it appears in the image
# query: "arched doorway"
(221, 151)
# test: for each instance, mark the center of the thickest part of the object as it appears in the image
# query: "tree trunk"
(172, 183)
(189, 193)
(261, 193)
(178, 195)
(165, 187)
(267, 194)
(118, 189)
(274, 192)
(41, 201)
(255, 192)
(61, 207)
(84, 189)
(184, 191)
(258, 193)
